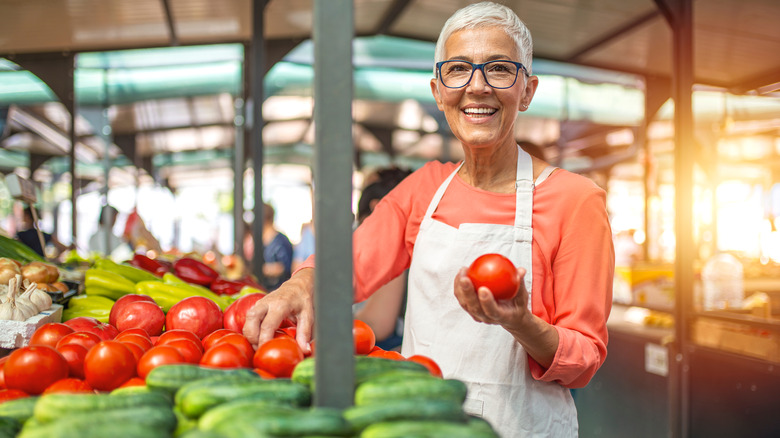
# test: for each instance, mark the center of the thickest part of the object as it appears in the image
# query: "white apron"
(486, 357)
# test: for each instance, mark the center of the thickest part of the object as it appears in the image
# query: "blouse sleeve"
(582, 271)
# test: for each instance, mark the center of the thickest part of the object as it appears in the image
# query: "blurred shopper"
(138, 236)
(384, 310)
(518, 356)
(28, 234)
(305, 247)
(116, 244)
(277, 252)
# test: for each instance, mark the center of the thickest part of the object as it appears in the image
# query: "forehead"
(481, 43)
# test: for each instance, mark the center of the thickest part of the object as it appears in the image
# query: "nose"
(478, 81)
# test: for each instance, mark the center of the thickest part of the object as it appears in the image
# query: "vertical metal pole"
(257, 69)
(106, 135)
(334, 369)
(238, 177)
(684, 158)
(70, 104)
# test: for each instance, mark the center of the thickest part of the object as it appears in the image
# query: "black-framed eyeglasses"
(497, 74)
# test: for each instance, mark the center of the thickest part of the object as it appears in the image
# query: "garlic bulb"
(40, 299)
(9, 310)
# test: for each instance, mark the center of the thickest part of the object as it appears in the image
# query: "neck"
(491, 169)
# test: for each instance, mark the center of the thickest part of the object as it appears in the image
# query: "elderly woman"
(518, 356)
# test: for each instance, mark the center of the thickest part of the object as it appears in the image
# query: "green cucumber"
(133, 422)
(360, 417)
(183, 424)
(427, 429)
(9, 427)
(366, 367)
(231, 410)
(19, 409)
(296, 423)
(51, 407)
(195, 398)
(169, 378)
(428, 388)
(197, 433)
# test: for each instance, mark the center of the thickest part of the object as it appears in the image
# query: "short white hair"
(486, 14)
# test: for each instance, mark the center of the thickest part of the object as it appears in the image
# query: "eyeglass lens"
(498, 74)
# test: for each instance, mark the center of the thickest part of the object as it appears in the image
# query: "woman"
(518, 356)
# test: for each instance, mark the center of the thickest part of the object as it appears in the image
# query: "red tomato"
(74, 354)
(189, 349)
(197, 314)
(141, 314)
(32, 369)
(156, 356)
(88, 324)
(279, 356)
(131, 338)
(135, 331)
(393, 355)
(124, 300)
(429, 363)
(137, 351)
(263, 373)
(11, 394)
(364, 337)
(225, 355)
(170, 335)
(240, 342)
(108, 365)
(85, 339)
(497, 273)
(68, 385)
(49, 334)
(211, 339)
(2, 371)
(376, 347)
(135, 381)
(235, 314)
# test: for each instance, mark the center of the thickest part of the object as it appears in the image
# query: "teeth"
(479, 111)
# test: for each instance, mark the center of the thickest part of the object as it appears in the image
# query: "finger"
(252, 325)
(271, 322)
(522, 293)
(304, 330)
(488, 305)
(464, 291)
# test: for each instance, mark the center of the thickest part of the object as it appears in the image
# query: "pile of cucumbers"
(392, 399)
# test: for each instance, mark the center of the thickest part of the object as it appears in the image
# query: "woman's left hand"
(483, 307)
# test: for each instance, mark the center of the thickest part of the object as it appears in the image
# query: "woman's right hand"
(294, 300)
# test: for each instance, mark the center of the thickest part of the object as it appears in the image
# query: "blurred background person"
(28, 234)
(117, 247)
(277, 252)
(384, 310)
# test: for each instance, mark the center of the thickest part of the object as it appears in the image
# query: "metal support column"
(257, 72)
(238, 176)
(333, 33)
(680, 13)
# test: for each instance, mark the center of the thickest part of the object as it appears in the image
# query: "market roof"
(734, 40)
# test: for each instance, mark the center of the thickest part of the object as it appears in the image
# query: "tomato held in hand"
(279, 356)
(364, 337)
(108, 365)
(497, 273)
(32, 369)
(49, 334)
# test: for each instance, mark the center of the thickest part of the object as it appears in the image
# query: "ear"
(435, 92)
(530, 89)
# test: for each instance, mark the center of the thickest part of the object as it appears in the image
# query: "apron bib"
(486, 357)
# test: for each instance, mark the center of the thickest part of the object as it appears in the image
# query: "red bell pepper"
(221, 286)
(156, 267)
(193, 271)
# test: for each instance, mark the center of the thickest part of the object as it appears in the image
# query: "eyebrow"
(489, 58)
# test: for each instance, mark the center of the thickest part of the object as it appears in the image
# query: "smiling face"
(481, 116)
